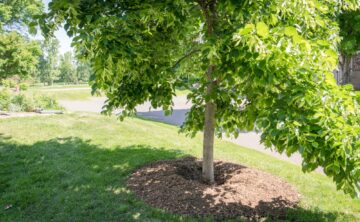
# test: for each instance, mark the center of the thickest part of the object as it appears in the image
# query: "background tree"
(67, 69)
(83, 71)
(18, 55)
(350, 43)
(48, 67)
(15, 14)
(262, 65)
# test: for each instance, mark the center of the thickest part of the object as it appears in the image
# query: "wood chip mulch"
(239, 191)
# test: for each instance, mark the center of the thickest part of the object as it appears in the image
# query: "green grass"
(74, 168)
(64, 93)
(67, 92)
(60, 86)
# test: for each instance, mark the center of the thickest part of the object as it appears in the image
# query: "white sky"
(60, 34)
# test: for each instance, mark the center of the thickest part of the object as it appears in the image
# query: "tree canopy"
(19, 12)
(350, 32)
(18, 55)
(49, 61)
(67, 69)
(261, 65)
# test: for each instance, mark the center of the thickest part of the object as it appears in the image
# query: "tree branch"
(188, 54)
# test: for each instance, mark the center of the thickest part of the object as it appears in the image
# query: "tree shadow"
(70, 179)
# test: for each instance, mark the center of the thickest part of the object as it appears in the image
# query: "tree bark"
(209, 131)
(208, 8)
(345, 69)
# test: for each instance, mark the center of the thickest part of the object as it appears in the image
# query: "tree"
(18, 55)
(262, 65)
(19, 13)
(67, 69)
(350, 43)
(49, 61)
(83, 71)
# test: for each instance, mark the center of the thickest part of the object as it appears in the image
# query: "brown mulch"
(239, 191)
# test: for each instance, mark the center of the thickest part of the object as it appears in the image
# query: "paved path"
(181, 107)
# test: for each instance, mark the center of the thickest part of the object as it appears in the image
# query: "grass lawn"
(60, 86)
(74, 168)
(64, 93)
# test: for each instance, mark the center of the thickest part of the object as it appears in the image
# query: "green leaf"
(262, 29)
(290, 31)
(247, 29)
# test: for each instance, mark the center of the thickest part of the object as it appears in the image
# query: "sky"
(60, 34)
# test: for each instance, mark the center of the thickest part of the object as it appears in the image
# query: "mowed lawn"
(74, 167)
(74, 92)
(64, 93)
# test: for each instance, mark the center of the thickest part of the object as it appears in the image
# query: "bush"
(23, 86)
(46, 102)
(5, 99)
(9, 83)
(25, 102)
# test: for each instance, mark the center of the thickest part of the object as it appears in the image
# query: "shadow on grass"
(69, 179)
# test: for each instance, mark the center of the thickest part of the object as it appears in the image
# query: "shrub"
(5, 99)
(23, 86)
(25, 102)
(9, 83)
(46, 102)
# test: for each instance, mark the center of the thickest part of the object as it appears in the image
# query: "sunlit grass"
(74, 168)
(65, 93)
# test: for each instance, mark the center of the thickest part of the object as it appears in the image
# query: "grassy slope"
(74, 168)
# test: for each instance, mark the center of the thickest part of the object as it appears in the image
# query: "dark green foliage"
(350, 32)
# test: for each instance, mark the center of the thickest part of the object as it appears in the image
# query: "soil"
(239, 191)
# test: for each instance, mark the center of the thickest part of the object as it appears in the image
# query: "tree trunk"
(345, 69)
(209, 131)
(209, 9)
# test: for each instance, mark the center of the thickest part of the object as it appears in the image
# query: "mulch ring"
(239, 191)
